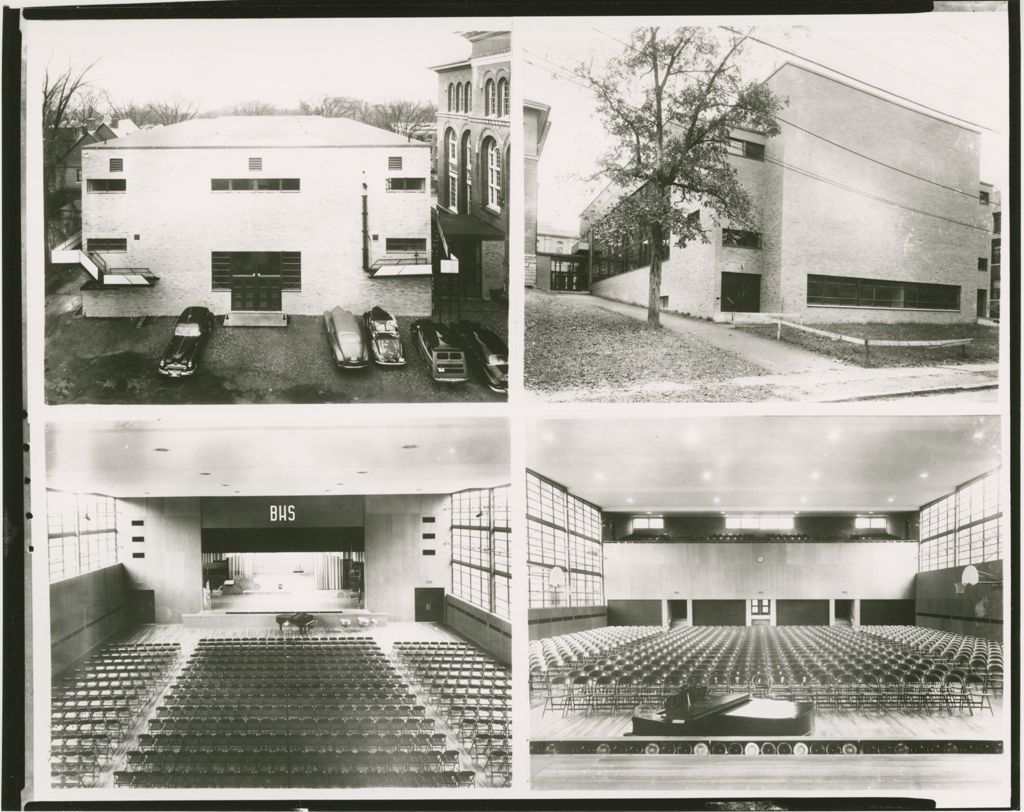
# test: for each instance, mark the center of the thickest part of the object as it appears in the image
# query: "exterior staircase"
(246, 318)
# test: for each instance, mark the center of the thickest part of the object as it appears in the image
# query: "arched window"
(453, 170)
(492, 160)
(502, 106)
(458, 98)
(490, 106)
(467, 102)
(450, 90)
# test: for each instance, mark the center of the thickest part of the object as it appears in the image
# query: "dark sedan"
(440, 348)
(487, 352)
(385, 340)
(346, 340)
(191, 335)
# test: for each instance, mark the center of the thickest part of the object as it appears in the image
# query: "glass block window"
(480, 548)
(81, 533)
(964, 527)
(563, 547)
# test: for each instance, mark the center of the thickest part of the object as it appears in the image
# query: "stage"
(286, 600)
(326, 620)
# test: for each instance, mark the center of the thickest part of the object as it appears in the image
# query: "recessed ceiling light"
(161, 449)
(834, 435)
(410, 445)
(360, 472)
(706, 475)
(815, 474)
(223, 485)
(339, 483)
(924, 475)
(718, 500)
(892, 498)
(691, 436)
(630, 500)
(237, 491)
(598, 475)
(979, 435)
(204, 473)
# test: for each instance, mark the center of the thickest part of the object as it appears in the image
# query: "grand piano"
(303, 621)
(735, 714)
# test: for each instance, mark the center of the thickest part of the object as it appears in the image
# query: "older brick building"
(274, 214)
(473, 155)
(866, 210)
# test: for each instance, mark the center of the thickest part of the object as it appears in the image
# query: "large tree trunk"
(654, 287)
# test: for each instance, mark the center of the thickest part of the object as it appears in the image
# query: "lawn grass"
(984, 347)
(570, 345)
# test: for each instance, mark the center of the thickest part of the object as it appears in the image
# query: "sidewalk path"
(778, 357)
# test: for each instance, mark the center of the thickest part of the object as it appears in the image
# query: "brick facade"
(173, 222)
(813, 226)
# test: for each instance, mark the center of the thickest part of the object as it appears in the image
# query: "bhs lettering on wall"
(282, 513)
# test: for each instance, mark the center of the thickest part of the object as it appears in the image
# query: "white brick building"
(866, 210)
(267, 213)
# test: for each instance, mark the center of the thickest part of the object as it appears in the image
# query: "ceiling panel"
(839, 463)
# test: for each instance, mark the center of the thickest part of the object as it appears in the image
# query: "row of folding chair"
(326, 779)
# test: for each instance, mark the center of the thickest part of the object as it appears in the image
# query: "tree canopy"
(670, 101)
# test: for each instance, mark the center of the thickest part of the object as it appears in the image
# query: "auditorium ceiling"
(763, 463)
(363, 456)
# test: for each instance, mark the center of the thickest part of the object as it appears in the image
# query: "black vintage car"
(441, 349)
(487, 352)
(191, 334)
(385, 339)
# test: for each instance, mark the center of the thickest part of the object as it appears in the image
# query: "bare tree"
(401, 116)
(335, 107)
(151, 113)
(670, 102)
(255, 108)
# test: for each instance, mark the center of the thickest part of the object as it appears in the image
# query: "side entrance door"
(429, 603)
(982, 303)
(741, 292)
(470, 281)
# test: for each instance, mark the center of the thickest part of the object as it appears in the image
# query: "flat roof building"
(865, 209)
(280, 214)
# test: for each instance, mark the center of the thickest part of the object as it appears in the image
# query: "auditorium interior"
(775, 606)
(232, 606)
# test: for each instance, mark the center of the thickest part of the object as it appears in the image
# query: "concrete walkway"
(777, 357)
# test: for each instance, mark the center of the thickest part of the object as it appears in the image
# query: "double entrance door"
(256, 281)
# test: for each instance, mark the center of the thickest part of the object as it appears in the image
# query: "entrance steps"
(239, 318)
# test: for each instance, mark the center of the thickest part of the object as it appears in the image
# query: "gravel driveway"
(113, 361)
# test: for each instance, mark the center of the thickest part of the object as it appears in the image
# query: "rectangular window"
(563, 549)
(255, 184)
(648, 523)
(104, 244)
(982, 264)
(760, 607)
(117, 164)
(106, 185)
(395, 162)
(983, 198)
(870, 523)
(225, 264)
(428, 552)
(997, 221)
(758, 522)
(405, 184)
(405, 244)
(255, 164)
(734, 238)
(844, 291)
(748, 149)
(997, 251)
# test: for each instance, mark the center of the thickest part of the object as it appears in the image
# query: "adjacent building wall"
(85, 611)
(173, 222)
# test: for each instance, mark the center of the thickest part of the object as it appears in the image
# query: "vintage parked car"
(487, 352)
(440, 347)
(191, 335)
(385, 340)
(346, 340)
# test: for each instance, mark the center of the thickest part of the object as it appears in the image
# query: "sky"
(219, 63)
(953, 62)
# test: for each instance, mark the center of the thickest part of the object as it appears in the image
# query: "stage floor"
(309, 600)
(830, 724)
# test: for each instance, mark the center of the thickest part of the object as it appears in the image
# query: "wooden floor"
(187, 637)
(960, 780)
(838, 724)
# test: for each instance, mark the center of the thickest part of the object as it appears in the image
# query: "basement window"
(406, 184)
(106, 244)
(405, 244)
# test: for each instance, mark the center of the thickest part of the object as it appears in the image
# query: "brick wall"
(180, 222)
